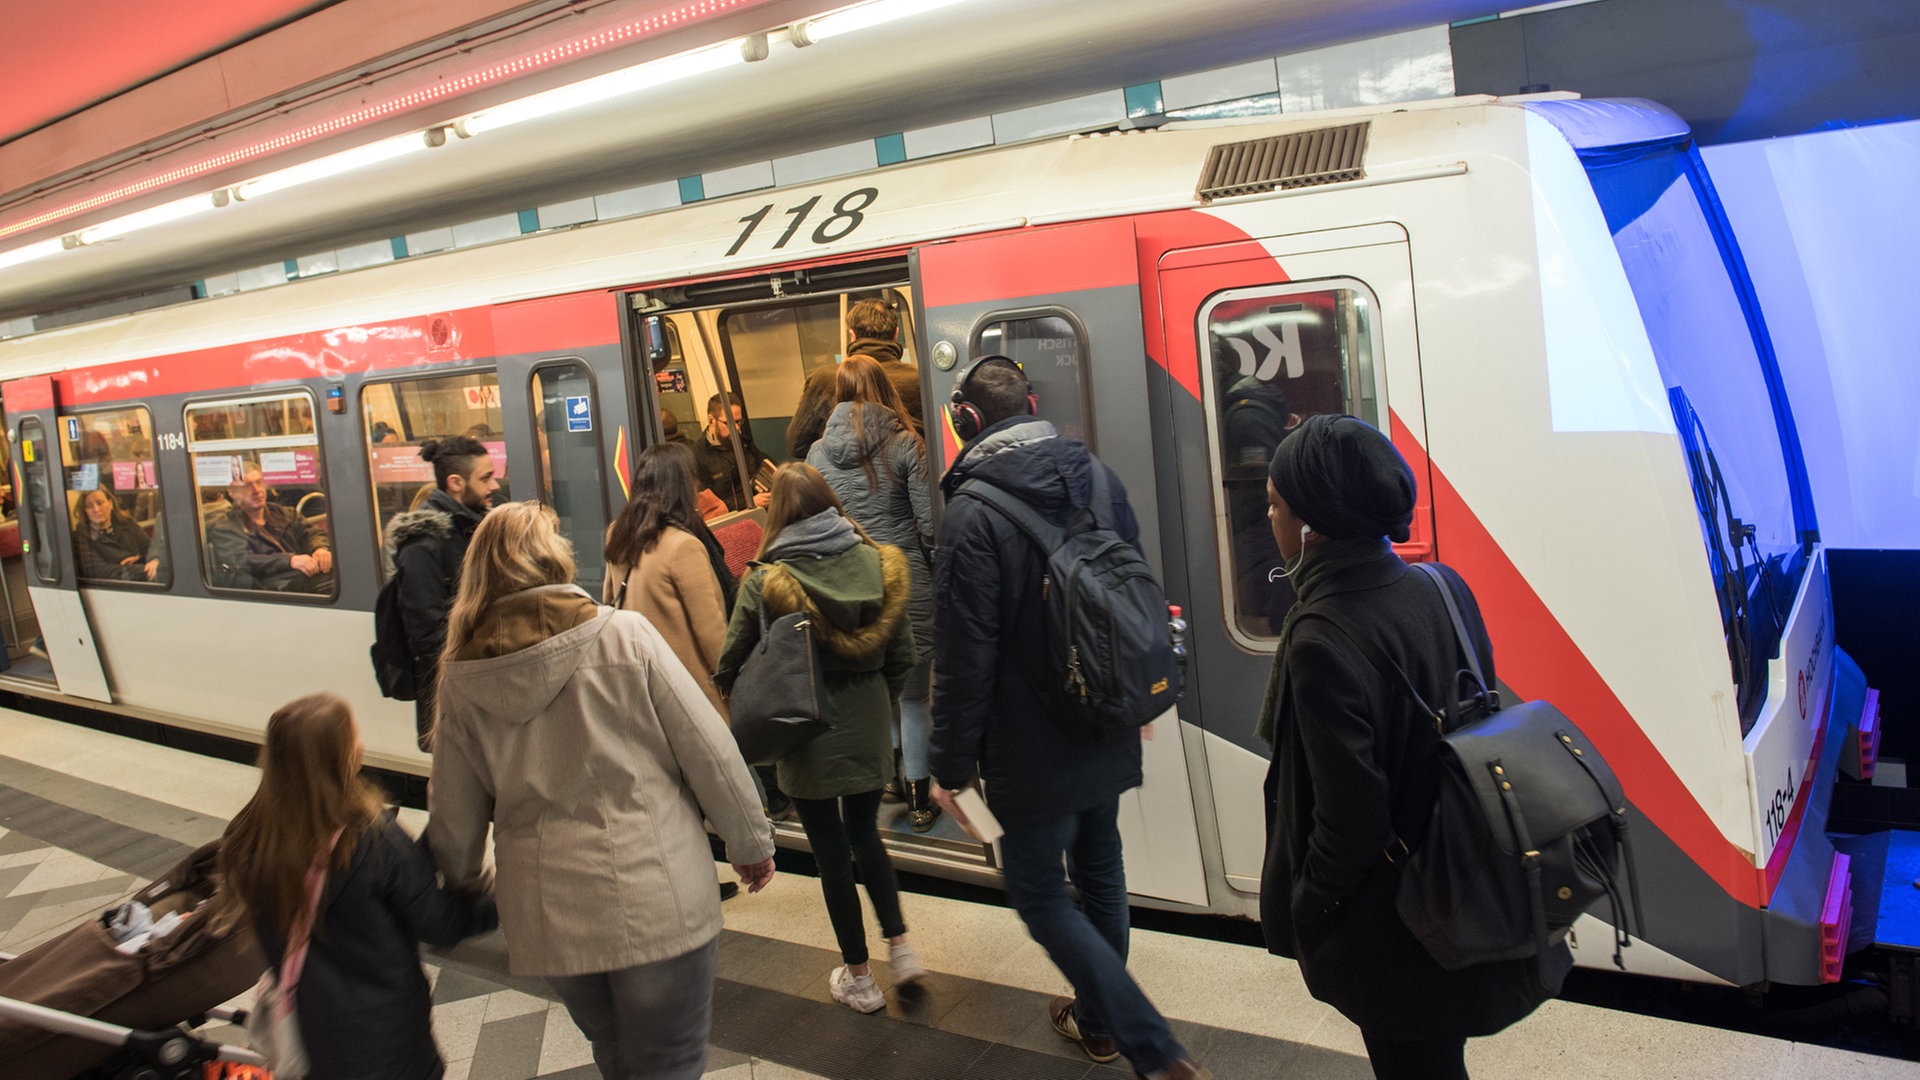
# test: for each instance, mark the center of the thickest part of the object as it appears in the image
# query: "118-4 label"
(846, 215)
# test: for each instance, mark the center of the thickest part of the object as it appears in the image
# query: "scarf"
(1320, 563)
(825, 533)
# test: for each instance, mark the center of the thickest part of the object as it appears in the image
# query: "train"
(1537, 297)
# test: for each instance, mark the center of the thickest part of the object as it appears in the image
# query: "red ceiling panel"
(62, 57)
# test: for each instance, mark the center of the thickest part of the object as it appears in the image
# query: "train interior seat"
(739, 535)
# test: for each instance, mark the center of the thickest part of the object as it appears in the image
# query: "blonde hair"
(516, 546)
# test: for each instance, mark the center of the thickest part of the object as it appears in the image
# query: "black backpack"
(1527, 832)
(391, 652)
(1107, 619)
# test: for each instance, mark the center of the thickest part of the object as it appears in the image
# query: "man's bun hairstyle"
(451, 456)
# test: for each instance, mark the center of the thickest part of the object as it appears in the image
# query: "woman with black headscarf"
(1355, 758)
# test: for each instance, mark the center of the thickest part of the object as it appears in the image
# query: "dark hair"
(874, 319)
(999, 391)
(714, 403)
(451, 456)
(811, 411)
(861, 380)
(663, 498)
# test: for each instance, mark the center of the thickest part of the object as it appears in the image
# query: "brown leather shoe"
(1100, 1048)
(1181, 1070)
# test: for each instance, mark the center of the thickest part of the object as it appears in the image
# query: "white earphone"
(1286, 571)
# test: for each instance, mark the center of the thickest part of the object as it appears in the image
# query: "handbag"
(273, 1024)
(779, 700)
(1527, 831)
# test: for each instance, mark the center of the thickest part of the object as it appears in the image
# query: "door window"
(401, 416)
(1278, 354)
(113, 494)
(565, 418)
(39, 480)
(262, 497)
(1051, 348)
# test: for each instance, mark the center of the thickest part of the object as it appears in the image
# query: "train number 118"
(848, 214)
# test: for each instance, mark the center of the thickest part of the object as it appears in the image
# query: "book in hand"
(976, 818)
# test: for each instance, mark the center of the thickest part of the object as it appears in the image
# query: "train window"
(403, 414)
(1051, 347)
(564, 418)
(33, 468)
(113, 495)
(1280, 354)
(261, 490)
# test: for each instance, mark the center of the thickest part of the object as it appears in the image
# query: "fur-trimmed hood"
(414, 524)
(857, 597)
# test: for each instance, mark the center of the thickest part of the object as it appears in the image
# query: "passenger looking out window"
(270, 543)
(719, 468)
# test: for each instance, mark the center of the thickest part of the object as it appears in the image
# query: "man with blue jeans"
(1055, 791)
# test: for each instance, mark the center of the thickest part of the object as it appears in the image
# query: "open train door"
(1065, 303)
(47, 538)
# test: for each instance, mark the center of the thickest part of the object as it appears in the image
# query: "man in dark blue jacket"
(1055, 792)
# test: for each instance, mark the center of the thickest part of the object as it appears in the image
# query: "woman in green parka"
(817, 560)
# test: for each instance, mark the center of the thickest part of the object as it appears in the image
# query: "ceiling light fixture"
(164, 214)
(332, 165)
(30, 252)
(859, 17)
(602, 88)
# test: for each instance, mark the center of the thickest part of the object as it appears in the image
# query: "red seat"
(739, 540)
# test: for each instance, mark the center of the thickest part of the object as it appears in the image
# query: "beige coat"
(594, 755)
(674, 587)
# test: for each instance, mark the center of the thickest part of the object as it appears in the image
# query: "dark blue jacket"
(991, 671)
(363, 1002)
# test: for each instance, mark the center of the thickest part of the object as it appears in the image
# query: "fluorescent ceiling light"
(163, 214)
(31, 252)
(332, 165)
(861, 17)
(603, 88)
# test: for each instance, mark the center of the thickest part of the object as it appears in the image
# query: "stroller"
(76, 1004)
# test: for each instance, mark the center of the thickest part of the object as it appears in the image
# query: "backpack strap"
(1029, 520)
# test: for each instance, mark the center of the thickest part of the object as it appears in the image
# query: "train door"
(1259, 336)
(1065, 303)
(47, 540)
(565, 462)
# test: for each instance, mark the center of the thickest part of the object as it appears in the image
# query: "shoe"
(856, 992)
(905, 964)
(729, 890)
(1179, 1070)
(1100, 1048)
(922, 811)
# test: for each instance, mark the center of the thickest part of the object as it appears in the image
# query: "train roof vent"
(1302, 159)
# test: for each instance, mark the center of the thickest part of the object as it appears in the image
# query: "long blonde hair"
(310, 785)
(516, 547)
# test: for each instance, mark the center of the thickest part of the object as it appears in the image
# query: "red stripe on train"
(1536, 656)
(1028, 263)
(556, 325)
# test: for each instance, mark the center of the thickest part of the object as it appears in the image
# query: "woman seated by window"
(112, 545)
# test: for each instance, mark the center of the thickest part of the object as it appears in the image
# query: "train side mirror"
(654, 334)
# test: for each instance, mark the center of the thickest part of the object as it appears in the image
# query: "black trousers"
(845, 832)
(1396, 1060)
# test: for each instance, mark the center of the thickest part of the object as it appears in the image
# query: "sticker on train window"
(832, 222)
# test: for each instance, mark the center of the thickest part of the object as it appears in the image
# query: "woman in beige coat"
(658, 565)
(576, 733)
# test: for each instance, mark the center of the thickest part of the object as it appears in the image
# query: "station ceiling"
(135, 105)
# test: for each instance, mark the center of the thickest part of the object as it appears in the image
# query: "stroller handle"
(85, 1027)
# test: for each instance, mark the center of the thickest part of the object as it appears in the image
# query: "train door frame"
(64, 625)
(1230, 670)
(1087, 273)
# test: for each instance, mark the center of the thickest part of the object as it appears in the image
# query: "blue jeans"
(1088, 942)
(914, 715)
(648, 1022)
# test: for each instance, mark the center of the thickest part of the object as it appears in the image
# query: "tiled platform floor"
(85, 818)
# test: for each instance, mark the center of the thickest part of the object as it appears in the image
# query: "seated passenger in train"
(112, 546)
(713, 452)
(259, 544)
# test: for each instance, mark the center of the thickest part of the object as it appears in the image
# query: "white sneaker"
(856, 992)
(905, 964)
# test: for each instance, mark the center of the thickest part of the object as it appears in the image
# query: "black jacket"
(720, 474)
(991, 672)
(429, 544)
(363, 1002)
(1355, 762)
(103, 555)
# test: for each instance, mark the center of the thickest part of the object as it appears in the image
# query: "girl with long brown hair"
(876, 462)
(363, 1003)
(574, 731)
(814, 559)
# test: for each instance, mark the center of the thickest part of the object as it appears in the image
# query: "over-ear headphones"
(967, 421)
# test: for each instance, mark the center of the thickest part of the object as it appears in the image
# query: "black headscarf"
(1340, 475)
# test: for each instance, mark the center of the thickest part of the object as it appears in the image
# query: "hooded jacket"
(899, 511)
(858, 597)
(990, 702)
(427, 548)
(575, 732)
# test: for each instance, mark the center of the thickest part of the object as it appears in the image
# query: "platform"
(86, 817)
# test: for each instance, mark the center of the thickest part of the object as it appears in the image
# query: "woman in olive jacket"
(1355, 760)
(814, 559)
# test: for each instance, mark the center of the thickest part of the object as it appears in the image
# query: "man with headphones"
(1056, 791)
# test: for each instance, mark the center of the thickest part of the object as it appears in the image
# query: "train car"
(1537, 298)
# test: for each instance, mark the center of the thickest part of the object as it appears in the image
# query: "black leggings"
(1395, 1060)
(843, 832)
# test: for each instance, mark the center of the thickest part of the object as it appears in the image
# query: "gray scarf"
(825, 533)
